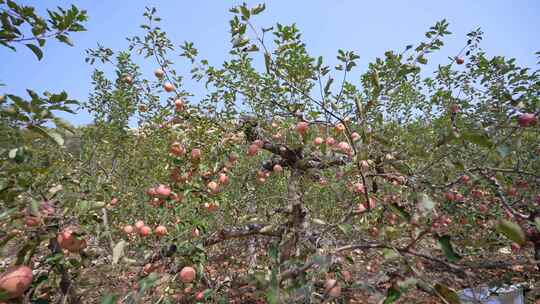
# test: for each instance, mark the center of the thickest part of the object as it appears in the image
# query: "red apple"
(459, 60)
(163, 191)
(196, 154)
(302, 127)
(168, 87)
(253, 149)
(330, 141)
(161, 230)
(213, 187)
(139, 224)
(179, 105)
(145, 231)
(527, 119)
(177, 149)
(16, 281)
(68, 241)
(358, 188)
(187, 274)
(223, 179)
(277, 168)
(128, 229)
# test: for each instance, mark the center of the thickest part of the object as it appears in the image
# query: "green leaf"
(64, 124)
(390, 254)
(401, 211)
(446, 246)
(110, 299)
(392, 294)
(478, 139)
(345, 228)
(48, 134)
(512, 231)
(447, 293)
(36, 50)
(118, 251)
(258, 9)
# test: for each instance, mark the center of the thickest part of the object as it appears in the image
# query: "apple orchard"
(288, 181)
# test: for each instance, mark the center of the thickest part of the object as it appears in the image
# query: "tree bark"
(298, 218)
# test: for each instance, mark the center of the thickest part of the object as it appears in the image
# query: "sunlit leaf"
(512, 231)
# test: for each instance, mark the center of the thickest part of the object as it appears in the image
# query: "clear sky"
(370, 28)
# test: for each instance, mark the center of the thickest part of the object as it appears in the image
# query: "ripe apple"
(277, 168)
(318, 141)
(302, 127)
(459, 60)
(161, 230)
(527, 119)
(177, 149)
(159, 73)
(179, 105)
(139, 224)
(168, 87)
(187, 274)
(68, 241)
(335, 292)
(358, 188)
(355, 136)
(253, 149)
(515, 247)
(145, 231)
(128, 229)
(483, 208)
(213, 187)
(330, 141)
(223, 179)
(450, 196)
(195, 233)
(128, 79)
(329, 284)
(32, 221)
(344, 147)
(196, 154)
(15, 281)
(114, 201)
(340, 127)
(199, 296)
(163, 191)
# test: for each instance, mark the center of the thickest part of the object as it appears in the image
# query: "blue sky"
(368, 27)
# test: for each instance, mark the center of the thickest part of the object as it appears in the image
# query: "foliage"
(306, 165)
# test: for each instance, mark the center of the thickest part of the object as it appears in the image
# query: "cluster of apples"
(144, 230)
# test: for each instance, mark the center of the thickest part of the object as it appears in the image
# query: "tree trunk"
(298, 218)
